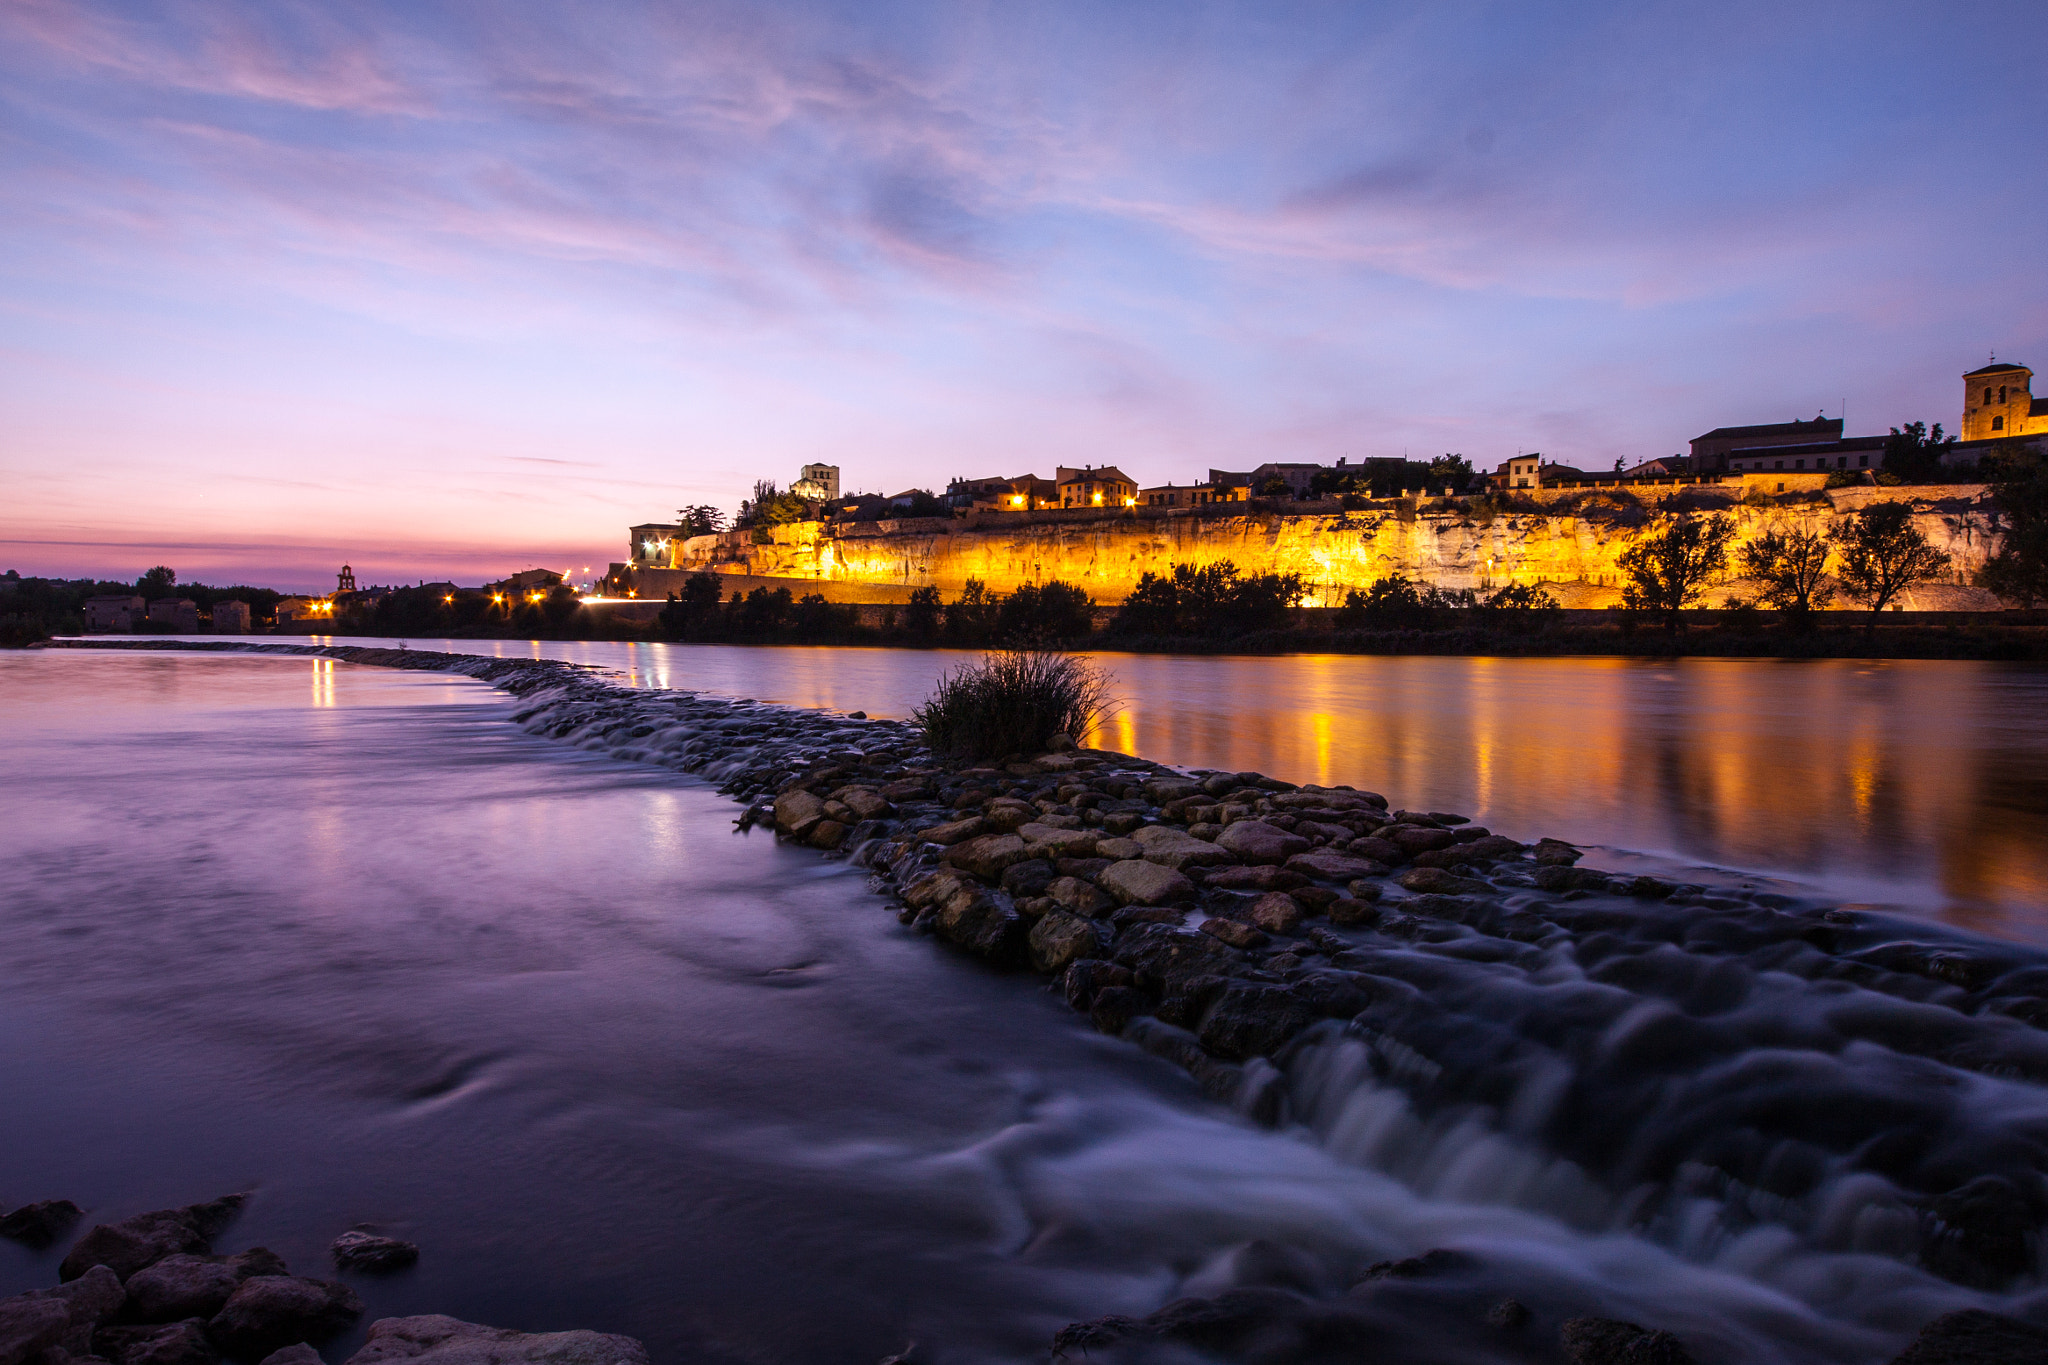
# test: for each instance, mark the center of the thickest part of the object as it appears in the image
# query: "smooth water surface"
(1917, 784)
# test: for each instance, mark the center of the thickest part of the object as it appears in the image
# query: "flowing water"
(356, 941)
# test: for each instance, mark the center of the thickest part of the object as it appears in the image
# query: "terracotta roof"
(1996, 368)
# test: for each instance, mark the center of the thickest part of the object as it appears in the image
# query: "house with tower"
(1999, 403)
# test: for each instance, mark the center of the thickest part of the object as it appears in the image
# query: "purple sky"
(453, 289)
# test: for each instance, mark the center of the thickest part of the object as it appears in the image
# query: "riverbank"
(1273, 940)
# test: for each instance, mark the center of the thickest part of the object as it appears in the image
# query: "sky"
(454, 289)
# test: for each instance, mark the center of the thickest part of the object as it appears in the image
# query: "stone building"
(1855, 453)
(179, 613)
(1193, 495)
(1998, 401)
(1093, 487)
(1018, 493)
(817, 482)
(1710, 452)
(231, 618)
(117, 611)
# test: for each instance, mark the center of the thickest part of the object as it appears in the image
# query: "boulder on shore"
(136, 1243)
(1255, 841)
(40, 1223)
(440, 1340)
(1975, 1337)
(269, 1311)
(1138, 882)
(189, 1286)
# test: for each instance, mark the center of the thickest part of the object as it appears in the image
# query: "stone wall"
(1569, 542)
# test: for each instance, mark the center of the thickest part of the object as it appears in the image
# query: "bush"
(1012, 703)
(1210, 601)
(1042, 615)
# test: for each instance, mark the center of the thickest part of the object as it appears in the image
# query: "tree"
(1669, 569)
(1211, 600)
(1035, 615)
(703, 519)
(1913, 453)
(694, 614)
(971, 619)
(2019, 571)
(921, 617)
(1450, 471)
(1791, 569)
(158, 582)
(1153, 608)
(1884, 553)
(770, 506)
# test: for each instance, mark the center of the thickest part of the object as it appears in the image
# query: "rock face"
(269, 1311)
(177, 1343)
(367, 1252)
(188, 1286)
(447, 1341)
(139, 1242)
(1608, 1341)
(1975, 1337)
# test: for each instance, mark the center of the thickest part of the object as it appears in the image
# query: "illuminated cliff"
(1574, 549)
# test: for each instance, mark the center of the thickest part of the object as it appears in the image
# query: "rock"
(298, 1353)
(40, 1223)
(1114, 1007)
(1277, 913)
(797, 812)
(1122, 822)
(177, 1343)
(1231, 932)
(986, 855)
(1160, 790)
(1335, 867)
(366, 1251)
(1980, 1234)
(864, 802)
(954, 831)
(1262, 878)
(1609, 1341)
(136, 1243)
(1136, 882)
(1059, 744)
(1007, 817)
(1029, 878)
(826, 834)
(1248, 1019)
(1178, 849)
(1436, 881)
(188, 1286)
(1363, 890)
(1061, 939)
(975, 921)
(1085, 978)
(1495, 846)
(1116, 850)
(269, 1311)
(1051, 842)
(1378, 849)
(1508, 1315)
(1255, 841)
(447, 1341)
(934, 889)
(1973, 1336)
(907, 789)
(1412, 839)
(1082, 898)
(29, 1325)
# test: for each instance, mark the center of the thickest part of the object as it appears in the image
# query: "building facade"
(1710, 453)
(1093, 487)
(231, 618)
(1999, 402)
(179, 613)
(115, 612)
(817, 482)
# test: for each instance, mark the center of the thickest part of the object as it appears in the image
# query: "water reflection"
(1922, 784)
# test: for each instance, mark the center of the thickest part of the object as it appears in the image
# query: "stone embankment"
(1691, 1062)
(148, 1290)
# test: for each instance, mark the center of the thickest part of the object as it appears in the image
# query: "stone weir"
(1573, 542)
(1472, 1013)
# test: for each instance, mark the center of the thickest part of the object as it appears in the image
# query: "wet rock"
(1029, 878)
(1436, 1261)
(798, 812)
(865, 802)
(1160, 790)
(1255, 841)
(1976, 1337)
(40, 1223)
(269, 1311)
(1556, 853)
(1114, 1007)
(188, 1286)
(1179, 850)
(1120, 823)
(826, 834)
(136, 1243)
(1432, 880)
(1258, 878)
(1061, 939)
(1049, 841)
(1277, 913)
(364, 1251)
(1981, 1234)
(974, 920)
(1412, 840)
(954, 831)
(177, 1343)
(987, 855)
(1334, 867)
(1609, 1341)
(298, 1353)
(1508, 1315)
(1085, 978)
(1231, 932)
(1163, 957)
(1082, 898)
(29, 1325)
(1226, 1324)
(1117, 850)
(1383, 851)
(439, 1340)
(1248, 1019)
(1137, 882)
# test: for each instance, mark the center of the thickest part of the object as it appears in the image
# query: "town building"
(1998, 401)
(179, 613)
(345, 581)
(303, 613)
(817, 482)
(648, 545)
(1857, 452)
(118, 611)
(526, 583)
(1193, 495)
(1533, 471)
(1018, 493)
(231, 617)
(1093, 487)
(1710, 452)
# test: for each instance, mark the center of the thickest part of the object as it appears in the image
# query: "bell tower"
(1998, 400)
(346, 581)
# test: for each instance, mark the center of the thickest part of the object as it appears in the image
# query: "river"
(355, 941)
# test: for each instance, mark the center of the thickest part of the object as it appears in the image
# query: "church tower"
(1998, 401)
(347, 581)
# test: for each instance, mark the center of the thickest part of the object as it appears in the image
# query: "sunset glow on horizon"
(446, 291)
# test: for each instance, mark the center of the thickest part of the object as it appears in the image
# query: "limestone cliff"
(1571, 545)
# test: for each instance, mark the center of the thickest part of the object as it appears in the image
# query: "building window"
(1998, 424)
(1799, 464)
(2001, 393)
(1781, 465)
(1987, 395)
(1863, 462)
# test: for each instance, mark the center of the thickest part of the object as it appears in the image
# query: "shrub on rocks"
(1013, 702)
